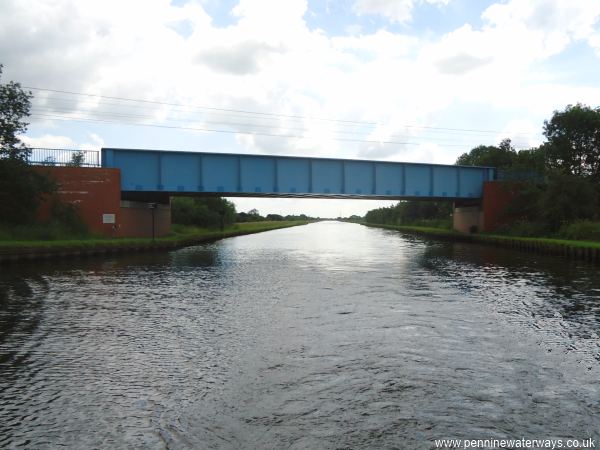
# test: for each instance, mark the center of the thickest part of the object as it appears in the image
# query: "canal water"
(325, 336)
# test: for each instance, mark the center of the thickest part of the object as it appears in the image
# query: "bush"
(21, 191)
(435, 223)
(210, 212)
(37, 232)
(525, 205)
(65, 216)
(77, 159)
(251, 216)
(65, 223)
(584, 230)
(524, 228)
(412, 212)
(568, 198)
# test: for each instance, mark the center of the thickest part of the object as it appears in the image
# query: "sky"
(396, 80)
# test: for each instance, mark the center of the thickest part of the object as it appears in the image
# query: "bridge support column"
(497, 196)
(144, 219)
(468, 217)
(94, 192)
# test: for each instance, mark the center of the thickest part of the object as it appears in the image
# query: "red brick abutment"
(96, 193)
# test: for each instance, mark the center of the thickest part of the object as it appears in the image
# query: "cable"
(289, 136)
(42, 106)
(263, 114)
(236, 124)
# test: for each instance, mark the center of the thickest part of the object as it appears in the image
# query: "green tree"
(544, 207)
(21, 188)
(251, 216)
(526, 165)
(77, 159)
(568, 198)
(412, 212)
(208, 212)
(573, 141)
(525, 205)
(15, 104)
(531, 160)
(500, 156)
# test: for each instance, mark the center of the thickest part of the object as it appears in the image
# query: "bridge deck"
(237, 175)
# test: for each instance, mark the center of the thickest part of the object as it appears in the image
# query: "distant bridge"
(148, 173)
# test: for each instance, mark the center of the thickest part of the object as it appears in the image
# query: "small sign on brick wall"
(108, 218)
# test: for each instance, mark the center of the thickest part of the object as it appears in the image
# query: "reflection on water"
(326, 336)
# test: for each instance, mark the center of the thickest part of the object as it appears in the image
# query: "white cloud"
(269, 60)
(461, 63)
(275, 63)
(523, 134)
(49, 141)
(542, 27)
(574, 18)
(241, 59)
(354, 29)
(399, 11)
(594, 42)
(500, 64)
(95, 142)
(381, 44)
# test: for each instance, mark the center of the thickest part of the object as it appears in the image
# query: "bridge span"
(129, 195)
(147, 173)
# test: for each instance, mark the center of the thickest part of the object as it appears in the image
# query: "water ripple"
(326, 336)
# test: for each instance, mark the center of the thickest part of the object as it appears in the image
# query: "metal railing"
(64, 157)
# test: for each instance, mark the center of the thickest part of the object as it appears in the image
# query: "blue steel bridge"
(156, 174)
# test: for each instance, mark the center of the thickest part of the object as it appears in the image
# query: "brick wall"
(136, 219)
(496, 198)
(97, 193)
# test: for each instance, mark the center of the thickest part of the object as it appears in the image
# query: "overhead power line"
(256, 113)
(215, 130)
(245, 127)
(57, 104)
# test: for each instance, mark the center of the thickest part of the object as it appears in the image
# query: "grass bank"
(181, 236)
(574, 249)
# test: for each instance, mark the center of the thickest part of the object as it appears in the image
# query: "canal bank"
(581, 250)
(35, 250)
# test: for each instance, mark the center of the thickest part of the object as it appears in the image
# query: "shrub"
(211, 212)
(582, 230)
(66, 217)
(568, 198)
(524, 228)
(21, 191)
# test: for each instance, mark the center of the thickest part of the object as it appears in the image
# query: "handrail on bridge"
(63, 157)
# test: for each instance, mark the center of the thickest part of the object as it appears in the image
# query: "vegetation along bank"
(573, 249)
(182, 236)
(555, 206)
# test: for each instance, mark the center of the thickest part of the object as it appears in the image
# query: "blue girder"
(237, 175)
